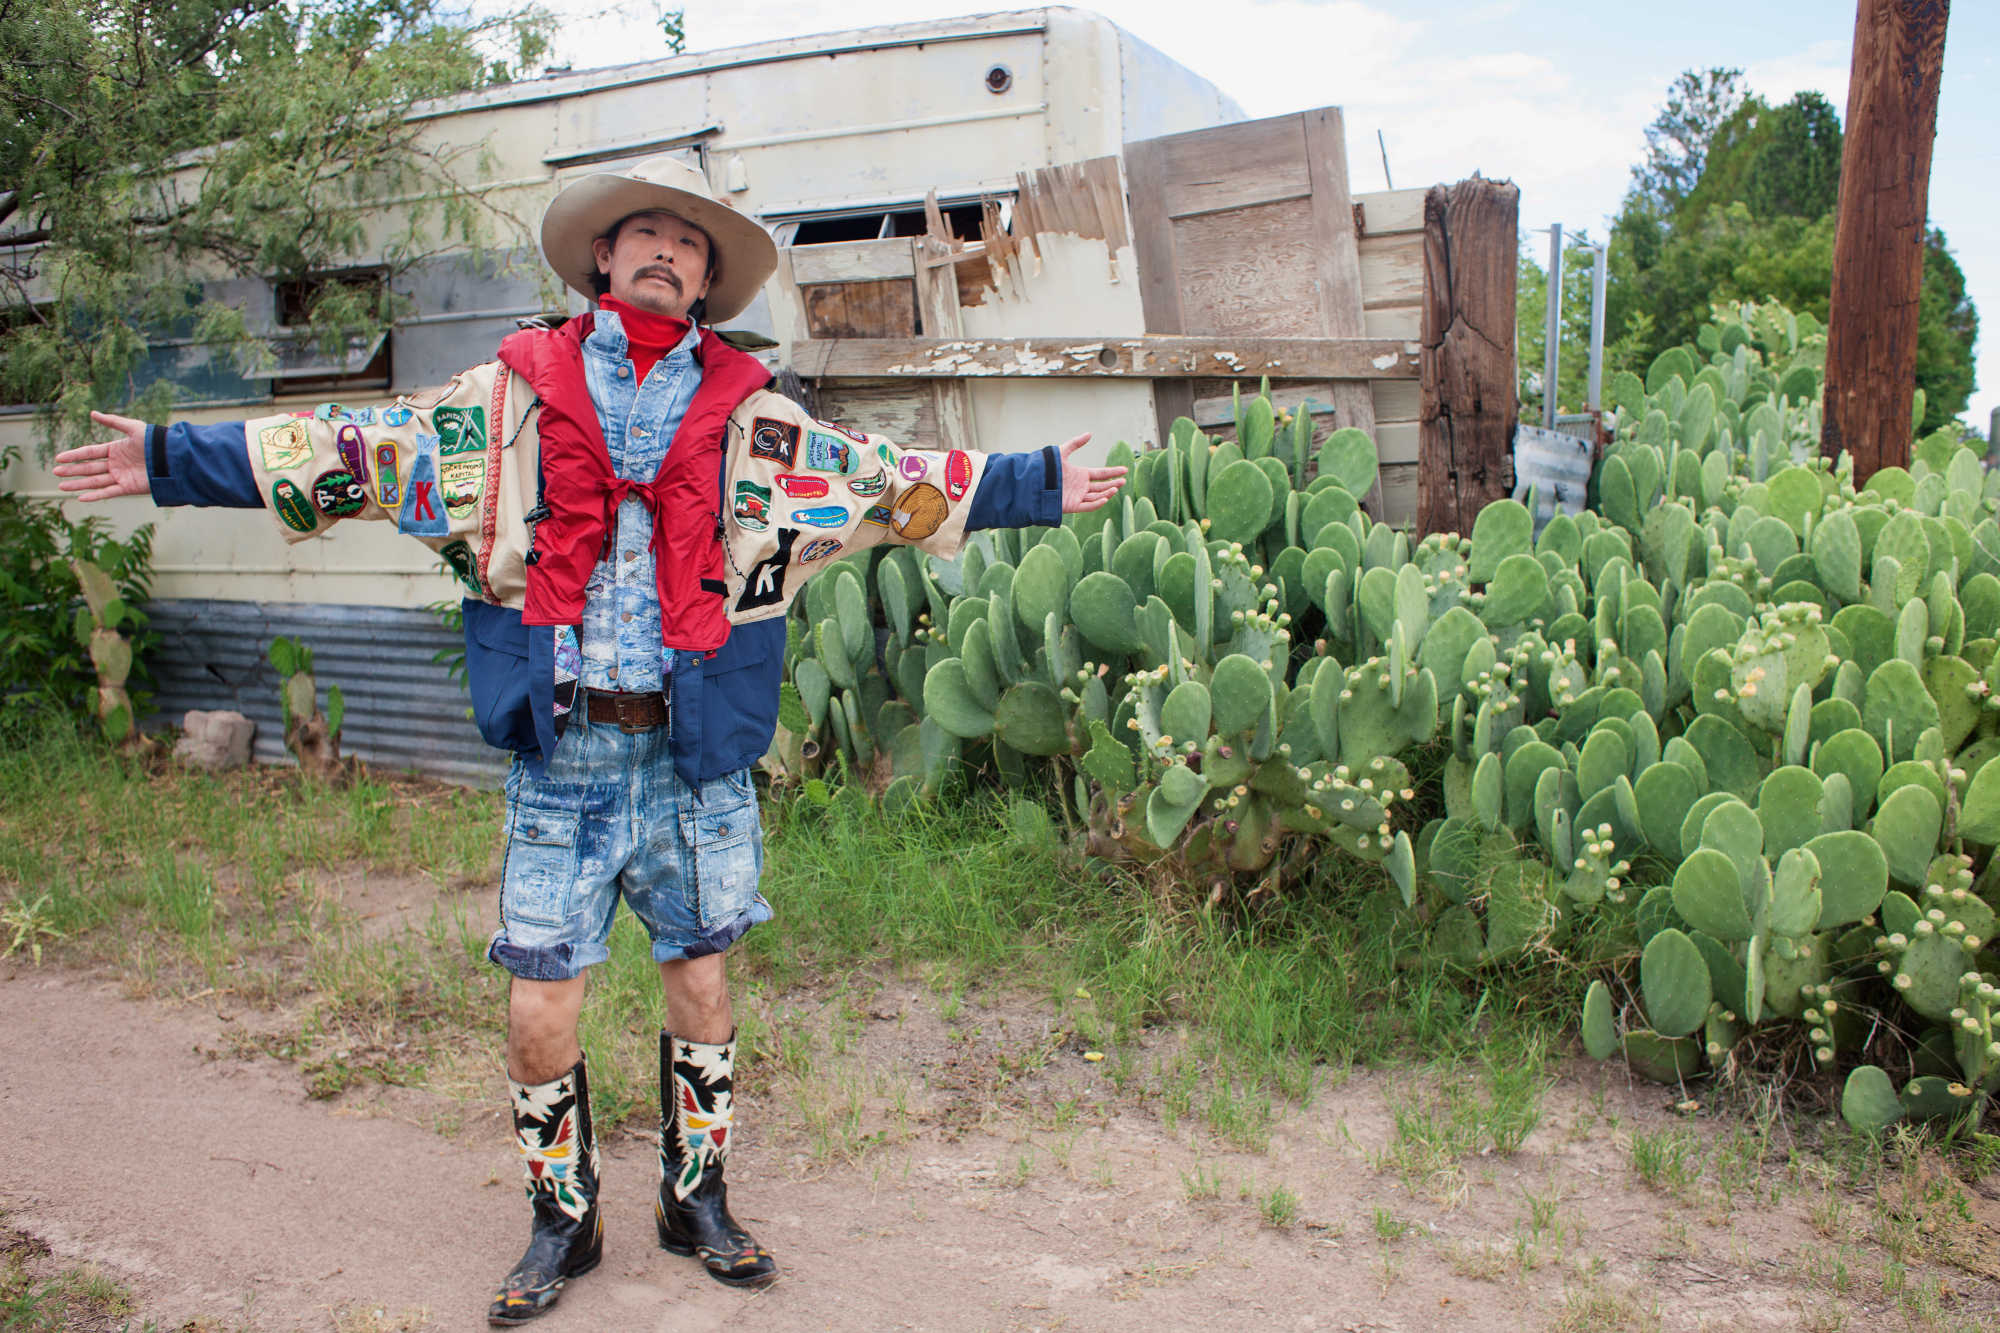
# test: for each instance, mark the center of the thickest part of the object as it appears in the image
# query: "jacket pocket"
(539, 880)
(740, 697)
(496, 676)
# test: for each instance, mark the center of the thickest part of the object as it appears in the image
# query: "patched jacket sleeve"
(200, 465)
(1019, 491)
(422, 461)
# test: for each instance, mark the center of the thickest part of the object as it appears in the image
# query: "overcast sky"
(1550, 95)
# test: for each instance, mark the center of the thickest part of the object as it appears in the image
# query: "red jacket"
(583, 493)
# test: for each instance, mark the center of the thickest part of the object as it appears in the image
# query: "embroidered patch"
(886, 454)
(388, 490)
(460, 481)
(459, 556)
(802, 488)
(870, 485)
(914, 466)
(337, 494)
(292, 507)
(777, 440)
(853, 435)
(876, 514)
(766, 584)
(920, 511)
(353, 452)
(957, 475)
(361, 416)
(831, 453)
(397, 415)
(330, 412)
(819, 548)
(285, 446)
(422, 514)
(822, 516)
(752, 506)
(461, 430)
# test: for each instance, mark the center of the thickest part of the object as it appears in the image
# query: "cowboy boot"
(559, 1153)
(692, 1211)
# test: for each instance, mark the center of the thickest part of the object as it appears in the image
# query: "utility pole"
(1878, 246)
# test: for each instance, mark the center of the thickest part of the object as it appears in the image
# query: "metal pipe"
(1552, 329)
(1597, 275)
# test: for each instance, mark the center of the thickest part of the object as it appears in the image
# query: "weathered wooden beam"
(1466, 412)
(1878, 240)
(937, 303)
(1160, 356)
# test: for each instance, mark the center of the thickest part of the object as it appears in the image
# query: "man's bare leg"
(541, 1029)
(697, 1123)
(697, 992)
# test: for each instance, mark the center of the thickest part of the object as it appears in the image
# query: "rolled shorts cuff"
(717, 940)
(564, 961)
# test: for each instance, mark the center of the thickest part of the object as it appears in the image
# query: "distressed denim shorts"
(610, 818)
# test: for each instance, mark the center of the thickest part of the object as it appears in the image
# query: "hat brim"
(745, 255)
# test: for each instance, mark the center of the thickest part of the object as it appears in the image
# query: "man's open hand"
(1086, 488)
(108, 470)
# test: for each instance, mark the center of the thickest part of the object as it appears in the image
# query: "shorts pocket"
(540, 875)
(726, 842)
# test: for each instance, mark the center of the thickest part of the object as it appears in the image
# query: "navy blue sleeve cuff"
(1018, 491)
(201, 465)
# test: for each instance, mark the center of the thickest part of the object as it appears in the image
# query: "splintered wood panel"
(905, 412)
(1240, 271)
(886, 309)
(1399, 493)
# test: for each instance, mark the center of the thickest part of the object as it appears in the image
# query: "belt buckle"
(630, 717)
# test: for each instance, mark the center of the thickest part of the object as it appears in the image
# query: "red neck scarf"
(648, 336)
(583, 495)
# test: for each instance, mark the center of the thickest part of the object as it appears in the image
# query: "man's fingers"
(1076, 444)
(1115, 475)
(83, 453)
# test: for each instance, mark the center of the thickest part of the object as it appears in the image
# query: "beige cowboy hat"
(745, 256)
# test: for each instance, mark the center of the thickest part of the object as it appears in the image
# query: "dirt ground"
(224, 1198)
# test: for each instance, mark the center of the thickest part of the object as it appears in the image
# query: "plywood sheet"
(886, 309)
(1240, 272)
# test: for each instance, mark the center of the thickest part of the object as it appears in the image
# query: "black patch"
(716, 586)
(772, 439)
(766, 584)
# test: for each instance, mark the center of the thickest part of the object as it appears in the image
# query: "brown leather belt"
(631, 712)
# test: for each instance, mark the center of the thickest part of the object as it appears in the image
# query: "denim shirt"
(621, 648)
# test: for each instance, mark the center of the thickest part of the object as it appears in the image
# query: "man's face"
(657, 262)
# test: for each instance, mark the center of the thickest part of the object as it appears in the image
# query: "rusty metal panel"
(403, 710)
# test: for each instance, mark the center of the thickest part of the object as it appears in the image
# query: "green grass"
(187, 882)
(39, 1295)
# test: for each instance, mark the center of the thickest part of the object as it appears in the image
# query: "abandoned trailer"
(991, 229)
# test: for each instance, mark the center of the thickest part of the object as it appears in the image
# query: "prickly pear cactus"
(1743, 709)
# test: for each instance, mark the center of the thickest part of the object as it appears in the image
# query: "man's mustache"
(658, 271)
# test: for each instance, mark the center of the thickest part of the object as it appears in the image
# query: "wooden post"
(1467, 410)
(1878, 244)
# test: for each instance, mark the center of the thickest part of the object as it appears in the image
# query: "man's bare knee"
(697, 991)
(541, 1028)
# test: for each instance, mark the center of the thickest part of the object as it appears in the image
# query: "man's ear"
(601, 250)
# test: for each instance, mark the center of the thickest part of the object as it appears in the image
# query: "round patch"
(919, 512)
(396, 416)
(337, 494)
(914, 467)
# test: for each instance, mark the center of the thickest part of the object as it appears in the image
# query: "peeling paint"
(1386, 361)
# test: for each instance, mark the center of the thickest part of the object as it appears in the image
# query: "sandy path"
(220, 1194)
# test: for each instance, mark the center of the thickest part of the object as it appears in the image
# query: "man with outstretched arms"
(631, 511)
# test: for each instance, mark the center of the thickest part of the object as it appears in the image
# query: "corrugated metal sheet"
(403, 710)
(1551, 472)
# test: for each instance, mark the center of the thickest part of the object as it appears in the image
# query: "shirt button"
(631, 555)
(640, 432)
(626, 616)
(624, 372)
(614, 673)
